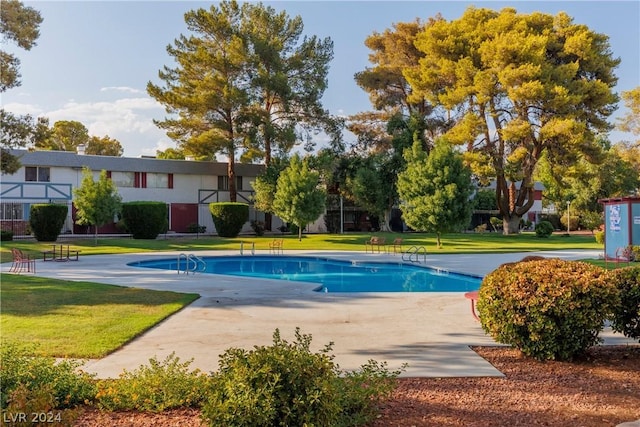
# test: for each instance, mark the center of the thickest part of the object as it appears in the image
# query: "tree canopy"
(518, 85)
(299, 199)
(68, 135)
(288, 76)
(21, 25)
(630, 122)
(435, 190)
(244, 84)
(96, 202)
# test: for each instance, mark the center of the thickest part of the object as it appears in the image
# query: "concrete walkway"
(431, 332)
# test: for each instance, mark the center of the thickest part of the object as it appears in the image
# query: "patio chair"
(276, 246)
(22, 262)
(374, 242)
(397, 245)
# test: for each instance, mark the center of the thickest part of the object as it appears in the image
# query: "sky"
(93, 59)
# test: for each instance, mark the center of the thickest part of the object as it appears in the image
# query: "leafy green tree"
(104, 146)
(518, 86)
(616, 174)
(18, 131)
(630, 122)
(266, 184)
(170, 154)
(299, 198)
(19, 24)
(288, 78)
(65, 135)
(96, 202)
(485, 200)
(435, 190)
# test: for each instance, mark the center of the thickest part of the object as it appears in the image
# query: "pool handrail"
(192, 263)
(415, 251)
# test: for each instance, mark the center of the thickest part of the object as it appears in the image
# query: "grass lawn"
(88, 320)
(452, 243)
(79, 319)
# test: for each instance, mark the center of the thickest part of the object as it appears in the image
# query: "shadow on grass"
(36, 296)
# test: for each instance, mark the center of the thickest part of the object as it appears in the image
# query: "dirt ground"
(603, 389)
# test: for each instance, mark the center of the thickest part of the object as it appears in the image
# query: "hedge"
(46, 221)
(229, 217)
(145, 220)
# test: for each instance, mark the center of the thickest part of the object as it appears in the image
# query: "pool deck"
(431, 332)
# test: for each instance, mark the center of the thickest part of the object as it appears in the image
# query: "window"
(10, 211)
(123, 179)
(37, 174)
(223, 183)
(159, 180)
(142, 179)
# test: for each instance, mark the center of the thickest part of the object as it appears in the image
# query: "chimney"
(81, 149)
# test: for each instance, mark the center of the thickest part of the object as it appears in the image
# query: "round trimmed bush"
(548, 309)
(626, 315)
(229, 217)
(145, 220)
(544, 229)
(46, 221)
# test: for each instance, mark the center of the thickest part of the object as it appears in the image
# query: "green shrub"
(258, 227)
(544, 229)
(590, 220)
(548, 309)
(286, 384)
(39, 406)
(194, 227)
(6, 235)
(229, 217)
(145, 220)
(46, 221)
(554, 219)
(42, 377)
(599, 236)
(626, 315)
(154, 387)
(574, 222)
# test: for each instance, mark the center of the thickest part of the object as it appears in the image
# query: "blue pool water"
(333, 275)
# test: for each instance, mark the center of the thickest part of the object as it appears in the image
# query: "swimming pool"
(332, 275)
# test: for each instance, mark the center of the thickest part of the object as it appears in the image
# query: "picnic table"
(61, 253)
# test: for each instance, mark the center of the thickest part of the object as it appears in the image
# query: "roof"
(131, 164)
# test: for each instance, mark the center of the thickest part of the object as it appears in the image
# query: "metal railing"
(253, 248)
(190, 263)
(413, 254)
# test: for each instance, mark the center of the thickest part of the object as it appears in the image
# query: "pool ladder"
(192, 264)
(253, 248)
(413, 254)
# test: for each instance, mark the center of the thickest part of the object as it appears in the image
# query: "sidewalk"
(431, 332)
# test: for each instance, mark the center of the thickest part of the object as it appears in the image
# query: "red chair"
(22, 262)
(473, 296)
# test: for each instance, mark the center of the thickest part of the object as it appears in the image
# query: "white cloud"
(129, 120)
(21, 109)
(120, 89)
